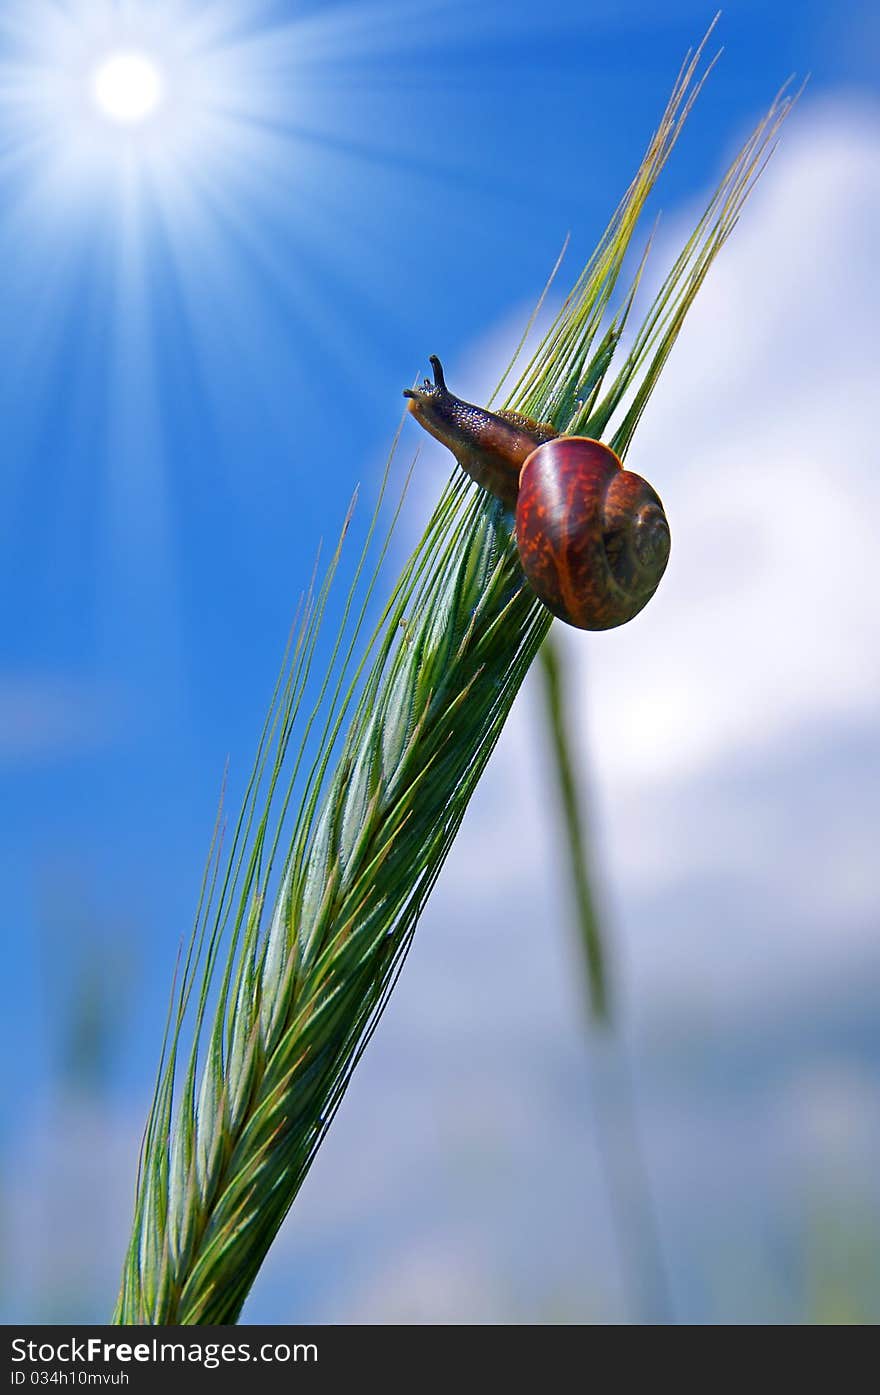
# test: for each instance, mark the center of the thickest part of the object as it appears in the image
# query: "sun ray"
(205, 166)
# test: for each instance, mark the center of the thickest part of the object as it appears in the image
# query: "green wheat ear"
(305, 920)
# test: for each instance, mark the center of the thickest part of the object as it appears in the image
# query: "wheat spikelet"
(305, 920)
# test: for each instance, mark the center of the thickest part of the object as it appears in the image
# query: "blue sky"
(205, 335)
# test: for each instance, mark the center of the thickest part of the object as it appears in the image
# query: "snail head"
(460, 426)
(432, 403)
(489, 446)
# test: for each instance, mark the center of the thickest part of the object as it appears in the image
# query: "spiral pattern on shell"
(592, 537)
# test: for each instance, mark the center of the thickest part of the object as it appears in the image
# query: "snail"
(592, 537)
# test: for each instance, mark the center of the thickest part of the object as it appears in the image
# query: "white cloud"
(762, 442)
(729, 726)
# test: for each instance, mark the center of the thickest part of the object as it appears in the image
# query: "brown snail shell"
(592, 537)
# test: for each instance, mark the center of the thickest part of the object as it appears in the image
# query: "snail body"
(592, 537)
(491, 447)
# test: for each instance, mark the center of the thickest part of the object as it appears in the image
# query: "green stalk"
(305, 921)
(573, 828)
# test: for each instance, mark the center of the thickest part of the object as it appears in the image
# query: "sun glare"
(141, 136)
(127, 87)
(175, 104)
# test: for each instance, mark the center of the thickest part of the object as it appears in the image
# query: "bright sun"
(127, 87)
(119, 105)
